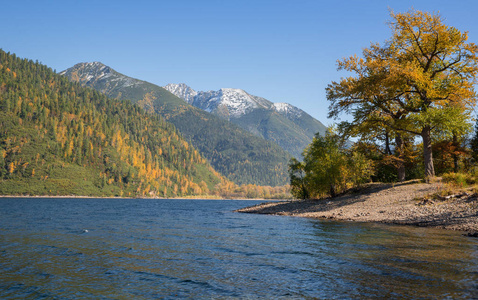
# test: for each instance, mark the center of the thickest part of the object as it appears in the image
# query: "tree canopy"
(419, 82)
(329, 168)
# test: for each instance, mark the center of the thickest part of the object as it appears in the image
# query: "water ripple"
(169, 249)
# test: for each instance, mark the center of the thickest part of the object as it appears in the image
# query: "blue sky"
(284, 51)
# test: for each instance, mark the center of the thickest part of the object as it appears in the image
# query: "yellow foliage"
(11, 167)
(414, 83)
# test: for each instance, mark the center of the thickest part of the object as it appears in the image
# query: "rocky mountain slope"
(239, 155)
(288, 126)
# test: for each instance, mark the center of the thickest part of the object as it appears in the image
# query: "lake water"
(168, 249)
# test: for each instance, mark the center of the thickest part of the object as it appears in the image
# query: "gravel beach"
(405, 204)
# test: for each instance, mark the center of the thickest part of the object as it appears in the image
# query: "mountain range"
(237, 154)
(288, 126)
(60, 138)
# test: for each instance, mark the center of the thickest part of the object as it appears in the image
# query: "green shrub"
(459, 179)
(328, 168)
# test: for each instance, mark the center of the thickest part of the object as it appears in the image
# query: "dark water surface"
(143, 249)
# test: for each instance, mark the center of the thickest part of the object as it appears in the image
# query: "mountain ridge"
(237, 154)
(289, 126)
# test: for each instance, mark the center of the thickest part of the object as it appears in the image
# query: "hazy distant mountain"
(288, 126)
(237, 154)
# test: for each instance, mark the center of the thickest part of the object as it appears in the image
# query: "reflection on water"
(142, 249)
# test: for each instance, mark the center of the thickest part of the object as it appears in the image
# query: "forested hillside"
(59, 138)
(239, 155)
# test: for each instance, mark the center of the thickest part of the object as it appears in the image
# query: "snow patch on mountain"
(288, 110)
(182, 91)
(99, 72)
(282, 107)
(237, 102)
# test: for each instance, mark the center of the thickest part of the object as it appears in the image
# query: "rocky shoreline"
(404, 204)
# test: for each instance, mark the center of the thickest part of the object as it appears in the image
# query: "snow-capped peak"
(97, 71)
(95, 64)
(182, 91)
(229, 102)
(236, 101)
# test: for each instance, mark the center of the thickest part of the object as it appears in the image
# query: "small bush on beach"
(459, 179)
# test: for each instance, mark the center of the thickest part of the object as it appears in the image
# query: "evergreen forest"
(235, 153)
(59, 138)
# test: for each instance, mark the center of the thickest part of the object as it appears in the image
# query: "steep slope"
(59, 138)
(288, 126)
(237, 154)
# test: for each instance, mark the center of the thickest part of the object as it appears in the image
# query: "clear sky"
(284, 51)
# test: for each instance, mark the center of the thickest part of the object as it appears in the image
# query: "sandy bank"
(386, 203)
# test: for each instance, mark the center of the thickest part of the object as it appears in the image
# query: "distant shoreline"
(403, 204)
(69, 196)
(145, 198)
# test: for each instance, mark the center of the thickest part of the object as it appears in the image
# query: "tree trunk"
(427, 152)
(333, 190)
(399, 152)
(455, 163)
(455, 156)
(387, 144)
(305, 192)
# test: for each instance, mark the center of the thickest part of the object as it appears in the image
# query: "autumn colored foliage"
(420, 82)
(57, 137)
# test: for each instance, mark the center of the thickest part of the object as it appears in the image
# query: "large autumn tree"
(419, 82)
